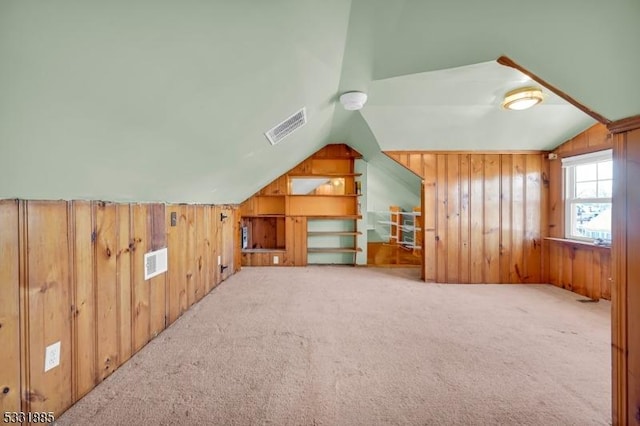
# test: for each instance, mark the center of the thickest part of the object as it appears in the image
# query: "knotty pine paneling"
(140, 329)
(85, 336)
(570, 266)
(48, 304)
(158, 284)
(9, 303)
(124, 282)
(106, 289)
(190, 256)
(483, 215)
(72, 272)
(626, 279)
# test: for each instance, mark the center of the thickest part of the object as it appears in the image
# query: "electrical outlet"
(276, 260)
(219, 260)
(52, 356)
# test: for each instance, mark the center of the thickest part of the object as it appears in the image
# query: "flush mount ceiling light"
(353, 101)
(522, 98)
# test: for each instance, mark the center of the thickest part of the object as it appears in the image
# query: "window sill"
(569, 242)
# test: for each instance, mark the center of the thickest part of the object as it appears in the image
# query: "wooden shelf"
(352, 216)
(333, 250)
(569, 242)
(329, 233)
(262, 215)
(264, 250)
(325, 195)
(332, 174)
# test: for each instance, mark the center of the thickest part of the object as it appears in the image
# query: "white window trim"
(568, 166)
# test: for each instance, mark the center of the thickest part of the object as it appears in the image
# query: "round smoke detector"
(353, 100)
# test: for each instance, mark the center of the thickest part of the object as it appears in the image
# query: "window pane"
(605, 188)
(605, 170)
(586, 172)
(586, 189)
(591, 220)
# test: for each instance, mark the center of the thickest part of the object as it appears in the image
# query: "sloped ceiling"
(168, 101)
(460, 109)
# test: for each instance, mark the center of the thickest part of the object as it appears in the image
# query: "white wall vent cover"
(284, 129)
(155, 263)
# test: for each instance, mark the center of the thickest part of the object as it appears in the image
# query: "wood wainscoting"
(582, 268)
(73, 272)
(484, 215)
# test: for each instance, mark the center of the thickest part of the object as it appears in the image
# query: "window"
(588, 188)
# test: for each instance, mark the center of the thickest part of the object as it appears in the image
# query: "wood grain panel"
(73, 273)
(49, 301)
(123, 262)
(9, 307)
(491, 224)
(480, 207)
(157, 285)
(558, 260)
(518, 207)
(619, 301)
(190, 256)
(176, 283)
(477, 218)
(199, 259)
(465, 216)
(533, 240)
(633, 274)
(429, 216)
(453, 218)
(140, 315)
(106, 289)
(505, 218)
(228, 239)
(216, 229)
(208, 274)
(85, 337)
(441, 219)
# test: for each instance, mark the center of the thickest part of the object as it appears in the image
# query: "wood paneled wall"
(73, 272)
(626, 277)
(484, 215)
(582, 268)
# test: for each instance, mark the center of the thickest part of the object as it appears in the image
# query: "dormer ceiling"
(169, 101)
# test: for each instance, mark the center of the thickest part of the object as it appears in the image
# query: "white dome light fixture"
(353, 101)
(522, 98)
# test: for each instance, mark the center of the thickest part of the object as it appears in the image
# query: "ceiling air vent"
(284, 129)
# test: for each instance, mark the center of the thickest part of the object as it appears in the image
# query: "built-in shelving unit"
(332, 240)
(308, 215)
(404, 228)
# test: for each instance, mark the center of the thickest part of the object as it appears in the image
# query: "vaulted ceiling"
(158, 100)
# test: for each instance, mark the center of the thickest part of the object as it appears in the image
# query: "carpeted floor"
(364, 346)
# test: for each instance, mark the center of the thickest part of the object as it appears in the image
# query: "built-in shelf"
(352, 216)
(334, 250)
(263, 215)
(577, 243)
(325, 195)
(311, 175)
(336, 233)
(264, 250)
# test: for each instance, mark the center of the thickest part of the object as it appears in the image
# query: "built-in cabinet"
(308, 215)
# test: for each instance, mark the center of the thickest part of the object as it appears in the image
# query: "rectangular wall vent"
(155, 263)
(284, 129)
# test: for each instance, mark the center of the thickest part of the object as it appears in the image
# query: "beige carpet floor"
(365, 346)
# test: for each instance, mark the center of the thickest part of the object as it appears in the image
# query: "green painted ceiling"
(168, 101)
